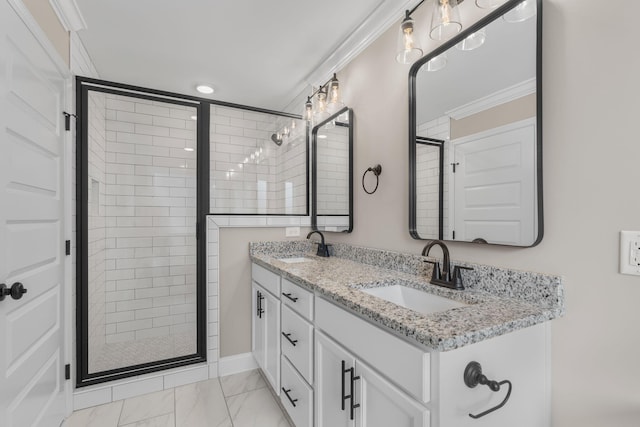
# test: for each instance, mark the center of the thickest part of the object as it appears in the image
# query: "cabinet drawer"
(267, 279)
(296, 392)
(299, 299)
(297, 342)
(404, 364)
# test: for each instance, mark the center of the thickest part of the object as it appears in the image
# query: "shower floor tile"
(231, 401)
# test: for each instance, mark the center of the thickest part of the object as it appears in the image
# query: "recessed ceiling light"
(204, 89)
(189, 149)
(194, 117)
(322, 136)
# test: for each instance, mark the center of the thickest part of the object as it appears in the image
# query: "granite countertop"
(341, 281)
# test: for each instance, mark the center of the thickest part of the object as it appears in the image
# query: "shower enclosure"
(150, 166)
(140, 203)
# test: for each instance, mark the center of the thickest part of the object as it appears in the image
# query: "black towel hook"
(377, 170)
(473, 376)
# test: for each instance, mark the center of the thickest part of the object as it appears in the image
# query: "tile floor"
(241, 400)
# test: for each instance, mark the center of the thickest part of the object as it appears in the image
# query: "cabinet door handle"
(288, 295)
(286, 393)
(260, 310)
(354, 378)
(342, 372)
(293, 342)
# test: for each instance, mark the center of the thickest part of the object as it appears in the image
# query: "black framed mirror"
(475, 133)
(332, 173)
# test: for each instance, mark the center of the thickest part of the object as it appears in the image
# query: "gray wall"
(591, 173)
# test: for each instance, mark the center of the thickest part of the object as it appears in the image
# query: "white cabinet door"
(384, 405)
(271, 316)
(332, 383)
(258, 325)
(32, 164)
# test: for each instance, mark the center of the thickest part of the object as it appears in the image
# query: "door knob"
(15, 291)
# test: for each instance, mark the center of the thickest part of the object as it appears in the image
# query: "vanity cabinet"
(333, 368)
(266, 324)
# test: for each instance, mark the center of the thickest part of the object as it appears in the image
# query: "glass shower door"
(139, 290)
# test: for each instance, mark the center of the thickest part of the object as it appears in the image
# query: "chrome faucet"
(323, 249)
(444, 278)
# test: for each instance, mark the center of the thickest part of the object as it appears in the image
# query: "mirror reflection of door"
(484, 105)
(493, 187)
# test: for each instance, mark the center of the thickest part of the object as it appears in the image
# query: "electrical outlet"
(292, 231)
(630, 252)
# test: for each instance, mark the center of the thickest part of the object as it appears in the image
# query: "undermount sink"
(295, 260)
(414, 299)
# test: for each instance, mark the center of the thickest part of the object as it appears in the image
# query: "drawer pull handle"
(473, 376)
(286, 393)
(293, 342)
(288, 295)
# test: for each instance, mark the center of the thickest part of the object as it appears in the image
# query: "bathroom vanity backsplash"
(535, 288)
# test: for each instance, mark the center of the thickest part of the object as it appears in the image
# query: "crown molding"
(384, 16)
(516, 91)
(69, 14)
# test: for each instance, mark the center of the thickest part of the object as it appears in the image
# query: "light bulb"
(408, 50)
(334, 90)
(308, 110)
(322, 101)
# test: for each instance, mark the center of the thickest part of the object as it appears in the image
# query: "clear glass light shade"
(488, 4)
(437, 62)
(522, 12)
(474, 41)
(308, 110)
(334, 91)
(409, 49)
(445, 21)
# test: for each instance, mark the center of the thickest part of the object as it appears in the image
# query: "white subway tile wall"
(427, 177)
(250, 174)
(148, 190)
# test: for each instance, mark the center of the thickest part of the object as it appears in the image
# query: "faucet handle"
(457, 277)
(436, 269)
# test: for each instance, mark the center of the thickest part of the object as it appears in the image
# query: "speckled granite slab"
(499, 300)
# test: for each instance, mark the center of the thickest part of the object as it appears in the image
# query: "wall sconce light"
(408, 50)
(445, 21)
(323, 101)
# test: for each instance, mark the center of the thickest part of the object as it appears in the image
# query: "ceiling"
(253, 52)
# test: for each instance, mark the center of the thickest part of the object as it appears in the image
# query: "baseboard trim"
(235, 364)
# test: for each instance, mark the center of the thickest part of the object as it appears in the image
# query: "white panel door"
(495, 185)
(32, 90)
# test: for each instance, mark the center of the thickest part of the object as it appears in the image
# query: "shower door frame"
(83, 86)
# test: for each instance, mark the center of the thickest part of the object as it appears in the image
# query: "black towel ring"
(377, 170)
